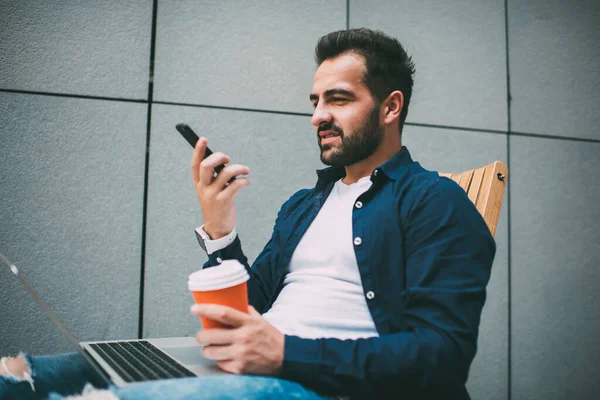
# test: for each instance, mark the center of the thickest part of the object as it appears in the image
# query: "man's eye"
(339, 100)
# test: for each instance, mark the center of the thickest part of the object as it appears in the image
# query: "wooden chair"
(485, 187)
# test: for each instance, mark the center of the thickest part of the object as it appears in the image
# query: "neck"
(386, 150)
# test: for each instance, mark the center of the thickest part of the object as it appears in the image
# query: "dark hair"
(389, 67)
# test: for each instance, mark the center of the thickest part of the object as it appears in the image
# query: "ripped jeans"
(53, 377)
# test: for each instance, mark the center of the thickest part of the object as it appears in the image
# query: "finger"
(253, 312)
(215, 336)
(207, 167)
(197, 159)
(235, 186)
(229, 366)
(229, 172)
(223, 314)
(219, 353)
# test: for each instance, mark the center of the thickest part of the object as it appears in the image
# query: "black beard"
(356, 147)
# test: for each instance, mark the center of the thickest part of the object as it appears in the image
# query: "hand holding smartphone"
(215, 200)
(192, 138)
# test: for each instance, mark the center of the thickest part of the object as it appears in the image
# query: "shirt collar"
(392, 169)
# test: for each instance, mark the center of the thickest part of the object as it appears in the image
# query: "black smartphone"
(189, 135)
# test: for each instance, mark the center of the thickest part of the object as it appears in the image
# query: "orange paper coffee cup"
(225, 284)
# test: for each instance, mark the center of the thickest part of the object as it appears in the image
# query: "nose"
(320, 115)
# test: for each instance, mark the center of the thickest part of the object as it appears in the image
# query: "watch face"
(200, 240)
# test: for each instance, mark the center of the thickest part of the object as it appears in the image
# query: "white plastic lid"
(228, 273)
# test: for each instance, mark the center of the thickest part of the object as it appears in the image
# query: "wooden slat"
(459, 177)
(496, 196)
(465, 180)
(475, 184)
(484, 189)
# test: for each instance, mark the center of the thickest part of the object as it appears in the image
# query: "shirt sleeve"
(449, 254)
(265, 272)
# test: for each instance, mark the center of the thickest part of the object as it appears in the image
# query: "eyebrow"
(331, 92)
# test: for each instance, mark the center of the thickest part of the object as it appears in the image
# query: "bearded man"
(372, 283)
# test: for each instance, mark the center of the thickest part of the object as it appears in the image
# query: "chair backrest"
(485, 187)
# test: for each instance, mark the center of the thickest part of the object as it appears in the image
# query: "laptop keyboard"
(139, 361)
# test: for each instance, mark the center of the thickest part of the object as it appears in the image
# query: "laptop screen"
(97, 373)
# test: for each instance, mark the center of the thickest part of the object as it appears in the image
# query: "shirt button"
(370, 294)
(219, 260)
(358, 204)
(357, 241)
(375, 172)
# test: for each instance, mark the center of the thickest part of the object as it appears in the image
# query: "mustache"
(330, 126)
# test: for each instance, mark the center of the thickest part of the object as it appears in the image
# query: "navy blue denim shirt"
(424, 255)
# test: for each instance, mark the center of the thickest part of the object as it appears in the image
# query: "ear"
(392, 106)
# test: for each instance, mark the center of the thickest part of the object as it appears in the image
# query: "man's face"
(346, 118)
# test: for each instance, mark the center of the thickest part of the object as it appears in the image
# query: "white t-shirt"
(323, 294)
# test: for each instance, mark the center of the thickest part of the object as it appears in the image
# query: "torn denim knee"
(89, 393)
(63, 374)
(27, 375)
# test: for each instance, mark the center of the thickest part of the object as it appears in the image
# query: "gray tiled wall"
(247, 54)
(554, 52)
(90, 48)
(71, 192)
(460, 55)
(555, 272)
(72, 178)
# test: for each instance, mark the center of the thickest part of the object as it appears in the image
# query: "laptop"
(123, 362)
